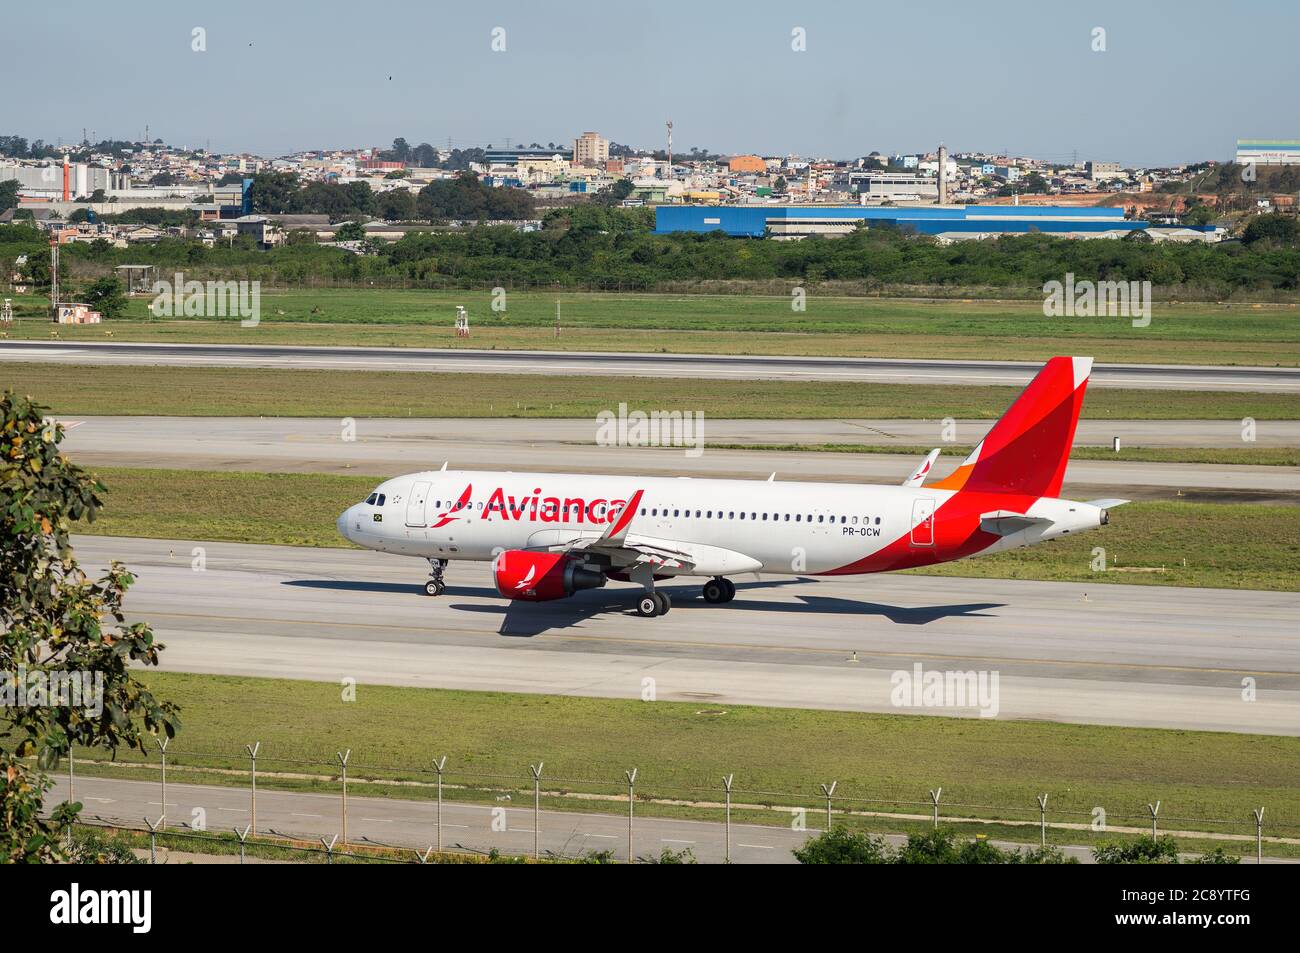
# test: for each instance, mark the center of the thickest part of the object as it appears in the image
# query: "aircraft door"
(923, 522)
(415, 515)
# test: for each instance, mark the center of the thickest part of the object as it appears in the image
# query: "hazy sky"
(1180, 80)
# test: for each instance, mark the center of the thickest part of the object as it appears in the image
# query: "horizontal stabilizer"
(1107, 504)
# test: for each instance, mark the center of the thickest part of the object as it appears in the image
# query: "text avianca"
(549, 535)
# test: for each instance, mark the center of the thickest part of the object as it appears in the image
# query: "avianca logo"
(445, 518)
(523, 583)
(538, 508)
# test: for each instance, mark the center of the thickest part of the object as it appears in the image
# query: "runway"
(385, 447)
(1104, 654)
(740, 367)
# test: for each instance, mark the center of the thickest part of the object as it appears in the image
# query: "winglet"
(444, 466)
(616, 532)
(920, 473)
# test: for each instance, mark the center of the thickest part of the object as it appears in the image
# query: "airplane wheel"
(731, 590)
(647, 605)
(715, 591)
(664, 602)
(433, 588)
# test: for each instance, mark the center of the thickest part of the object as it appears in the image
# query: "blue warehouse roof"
(753, 220)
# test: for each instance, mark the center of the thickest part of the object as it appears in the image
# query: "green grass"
(1240, 546)
(1228, 333)
(223, 391)
(1233, 456)
(881, 762)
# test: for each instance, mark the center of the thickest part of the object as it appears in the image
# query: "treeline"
(461, 198)
(599, 246)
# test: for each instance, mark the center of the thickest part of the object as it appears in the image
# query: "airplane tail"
(1028, 448)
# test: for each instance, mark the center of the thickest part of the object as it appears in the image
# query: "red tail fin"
(1028, 448)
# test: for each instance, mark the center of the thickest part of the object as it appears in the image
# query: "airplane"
(550, 535)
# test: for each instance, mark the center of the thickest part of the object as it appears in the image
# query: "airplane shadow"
(362, 585)
(528, 619)
(525, 619)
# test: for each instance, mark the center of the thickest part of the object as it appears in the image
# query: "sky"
(1177, 81)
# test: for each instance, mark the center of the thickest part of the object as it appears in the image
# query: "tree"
(839, 845)
(1141, 850)
(9, 194)
(105, 295)
(60, 633)
(350, 232)
(1273, 229)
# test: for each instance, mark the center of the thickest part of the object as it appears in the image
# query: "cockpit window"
(380, 501)
(371, 499)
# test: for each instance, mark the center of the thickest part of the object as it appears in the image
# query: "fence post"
(631, 781)
(72, 792)
(830, 793)
(329, 848)
(424, 858)
(1259, 835)
(726, 783)
(242, 838)
(252, 754)
(153, 839)
(438, 765)
(162, 746)
(934, 796)
(1154, 809)
(1042, 820)
(343, 764)
(536, 769)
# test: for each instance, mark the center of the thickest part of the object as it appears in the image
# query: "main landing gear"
(653, 603)
(435, 586)
(719, 589)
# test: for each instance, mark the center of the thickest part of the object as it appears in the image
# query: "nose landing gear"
(435, 586)
(719, 589)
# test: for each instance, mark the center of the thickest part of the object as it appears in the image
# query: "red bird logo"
(445, 518)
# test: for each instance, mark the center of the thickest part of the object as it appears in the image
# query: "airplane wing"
(920, 473)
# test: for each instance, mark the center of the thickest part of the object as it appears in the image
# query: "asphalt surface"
(386, 447)
(467, 360)
(1104, 654)
(393, 822)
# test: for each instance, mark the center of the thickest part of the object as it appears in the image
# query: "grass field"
(779, 756)
(729, 324)
(1238, 546)
(1243, 456)
(223, 391)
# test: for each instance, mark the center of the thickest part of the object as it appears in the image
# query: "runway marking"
(758, 846)
(732, 646)
(605, 836)
(295, 814)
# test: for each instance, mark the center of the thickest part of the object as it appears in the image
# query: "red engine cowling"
(538, 577)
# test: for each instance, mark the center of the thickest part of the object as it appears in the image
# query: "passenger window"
(855, 521)
(786, 517)
(877, 520)
(731, 515)
(798, 517)
(677, 513)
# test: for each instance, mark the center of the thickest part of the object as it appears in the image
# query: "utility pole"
(670, 148)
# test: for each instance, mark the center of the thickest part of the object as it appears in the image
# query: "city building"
(747, 164)
(589, 149)
(1101, 171)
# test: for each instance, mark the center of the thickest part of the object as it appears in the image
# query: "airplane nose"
(343, 523)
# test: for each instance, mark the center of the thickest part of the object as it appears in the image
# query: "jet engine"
(539, 577)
